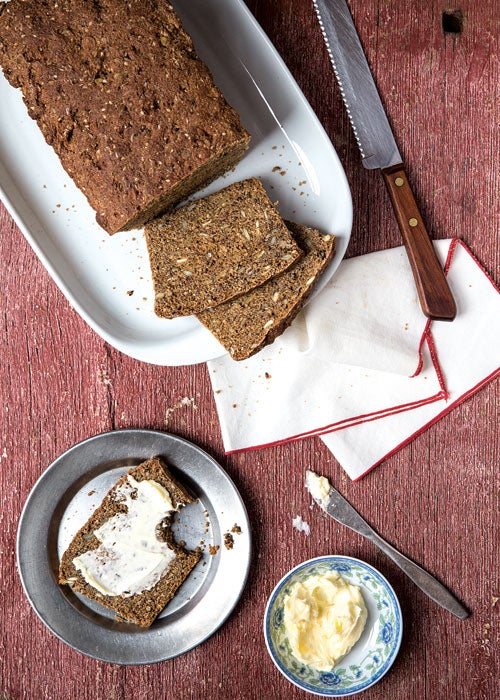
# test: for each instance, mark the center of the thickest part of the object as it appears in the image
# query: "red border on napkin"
(423, 428)
(442, 394)
(470, 392)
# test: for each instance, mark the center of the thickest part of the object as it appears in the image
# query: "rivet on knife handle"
(434, 294)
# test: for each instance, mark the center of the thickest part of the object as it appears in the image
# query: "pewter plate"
(65, 496)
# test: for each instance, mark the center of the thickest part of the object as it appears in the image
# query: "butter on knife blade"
(318, 486)
(336, 506)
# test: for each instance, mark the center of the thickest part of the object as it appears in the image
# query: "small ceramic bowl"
(371, 656)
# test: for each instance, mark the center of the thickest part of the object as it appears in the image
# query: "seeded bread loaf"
(216, 248)
(250, 322)
(119, 93)
(141, 608)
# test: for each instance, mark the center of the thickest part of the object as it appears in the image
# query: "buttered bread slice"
(125, 557)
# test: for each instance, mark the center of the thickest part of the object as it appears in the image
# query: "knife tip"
(462, 613)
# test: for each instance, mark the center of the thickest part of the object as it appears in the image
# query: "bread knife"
(341, 510)
(379, 151)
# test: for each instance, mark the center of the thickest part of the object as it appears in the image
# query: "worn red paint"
(435, 498)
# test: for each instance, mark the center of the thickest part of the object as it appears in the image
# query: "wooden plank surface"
(436, 499)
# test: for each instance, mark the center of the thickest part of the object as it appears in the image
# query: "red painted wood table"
(436, 499)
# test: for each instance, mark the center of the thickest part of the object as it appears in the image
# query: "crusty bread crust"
(119, 93)
(144, 607)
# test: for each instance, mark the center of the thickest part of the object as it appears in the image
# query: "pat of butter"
(130, 558)
(318, 486)
(324, 617)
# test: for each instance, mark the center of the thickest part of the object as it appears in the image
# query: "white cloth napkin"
(361, 366)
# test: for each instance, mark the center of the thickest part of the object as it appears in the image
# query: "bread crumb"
(301, 525)
(228, 540)
(213, 549)
(185, 401)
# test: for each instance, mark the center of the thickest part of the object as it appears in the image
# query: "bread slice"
(120, 94)
(250, 322)
(216, 248)
(141, 607)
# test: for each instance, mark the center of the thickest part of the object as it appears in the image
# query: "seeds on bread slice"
(216, 248)
(87, 553)
(250, 322)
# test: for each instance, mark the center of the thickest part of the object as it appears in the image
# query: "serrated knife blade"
(338, 508)
(379, 150)
(367, 115)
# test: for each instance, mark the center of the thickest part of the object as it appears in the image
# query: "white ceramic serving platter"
(67, 494)
(107, 279)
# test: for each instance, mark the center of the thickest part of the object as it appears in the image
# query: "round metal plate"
(65, 496)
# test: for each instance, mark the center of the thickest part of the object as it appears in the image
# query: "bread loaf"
(119, 93)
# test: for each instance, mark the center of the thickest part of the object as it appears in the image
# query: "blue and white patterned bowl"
(371, 656)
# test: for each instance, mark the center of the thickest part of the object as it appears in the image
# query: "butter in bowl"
(333, 626)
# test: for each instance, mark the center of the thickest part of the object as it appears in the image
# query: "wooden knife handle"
(434, 294)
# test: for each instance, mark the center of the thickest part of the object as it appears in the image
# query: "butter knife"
(341, 510)
(379, 150)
